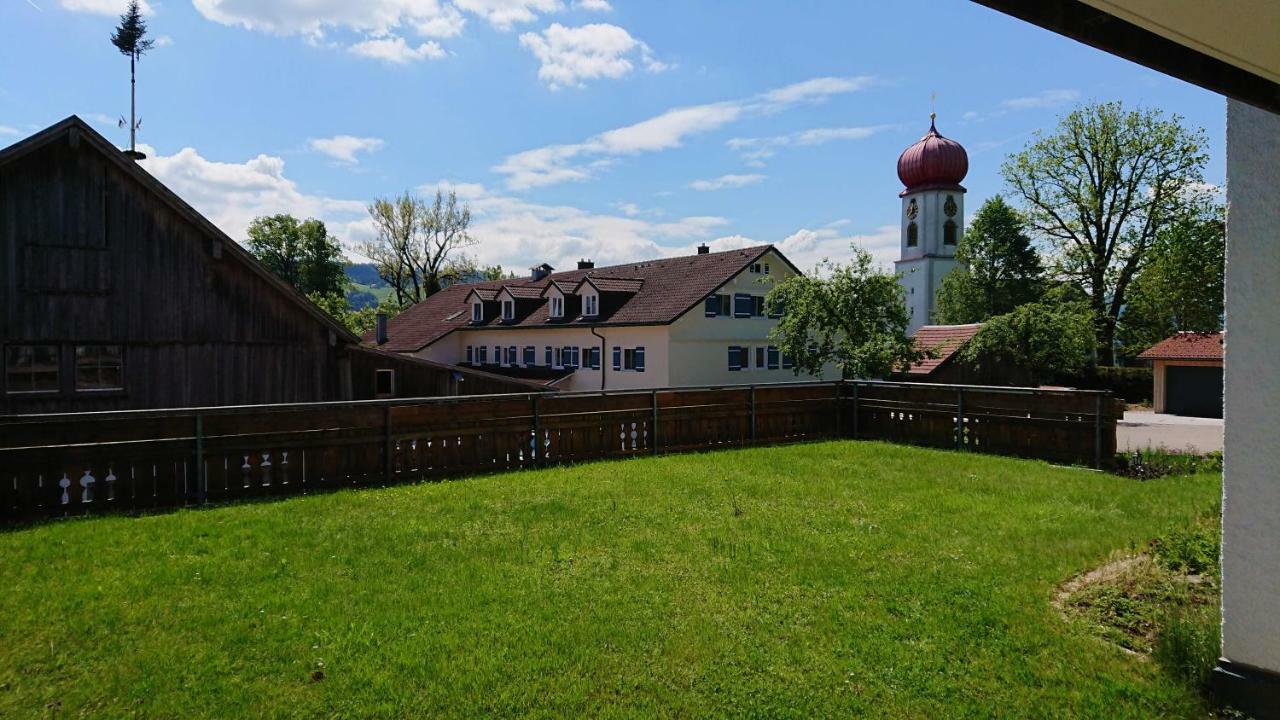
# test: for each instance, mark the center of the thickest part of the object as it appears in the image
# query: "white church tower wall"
(932, 220)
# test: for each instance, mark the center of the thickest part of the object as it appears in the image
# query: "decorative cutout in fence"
(74, 464)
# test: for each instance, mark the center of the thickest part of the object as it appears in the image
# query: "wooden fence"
(75, 464)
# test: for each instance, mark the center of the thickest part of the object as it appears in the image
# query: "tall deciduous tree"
(851, 315)
(419, 247)
(130, 38)
(1040, 341)
(302, 254)
(1002, 268)
(1100, 188)
(1181, 287)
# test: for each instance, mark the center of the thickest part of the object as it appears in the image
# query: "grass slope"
(853, 578)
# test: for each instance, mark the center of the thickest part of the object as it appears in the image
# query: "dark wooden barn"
(116, 294)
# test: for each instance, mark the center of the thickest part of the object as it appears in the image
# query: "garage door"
(1195, 391)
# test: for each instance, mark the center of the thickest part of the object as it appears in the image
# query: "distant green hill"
(367, 289)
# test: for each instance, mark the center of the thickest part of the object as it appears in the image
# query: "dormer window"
(477, 312)
(557, 306)
(508, 309)
(591, 305)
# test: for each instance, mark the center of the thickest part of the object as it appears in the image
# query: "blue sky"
(575, 128)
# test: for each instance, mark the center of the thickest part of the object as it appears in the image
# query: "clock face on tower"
(950, 206)
(912, 209)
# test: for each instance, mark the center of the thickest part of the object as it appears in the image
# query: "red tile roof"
(524, 292)
(944, 341)
(622, 285)
(1186, 346)
(667, 288)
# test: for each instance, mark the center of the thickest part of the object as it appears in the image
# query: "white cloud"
(345, 147)
(726, 181)
(104, 7)
(807, 247)
(552, 164)
(568, 56)
(164, 41)
(232, 194)
(594, 5)
(7, 130)
(396, 51)
(1044, 99)
(756, 150)
(970, 115)
(515, 233)
(379, 26)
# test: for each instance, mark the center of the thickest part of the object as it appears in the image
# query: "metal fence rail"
(74, 464)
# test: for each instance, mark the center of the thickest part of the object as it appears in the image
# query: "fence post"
(855, 409)
(386, 450)
(959, 418)
(536, 444)
(1097, 432)
(202, 479)
(653, 426)
(753, 414)
(840, 408)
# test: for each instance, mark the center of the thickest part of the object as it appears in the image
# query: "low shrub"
(1132, 384)
(1190, 550)
(1160, 463)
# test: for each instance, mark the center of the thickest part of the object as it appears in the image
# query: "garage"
(1187, 372)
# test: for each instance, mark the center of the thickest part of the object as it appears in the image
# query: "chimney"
(585, 265)
(703, 249)
(538, 272)
(381, 331)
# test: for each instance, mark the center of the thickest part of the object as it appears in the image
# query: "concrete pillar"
(1248, 675)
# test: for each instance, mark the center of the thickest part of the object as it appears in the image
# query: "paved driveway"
(1142, 430)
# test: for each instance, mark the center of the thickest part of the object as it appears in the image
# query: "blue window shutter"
(773, 358)
(595, 358)
(548, 356)
(712, 306)
(735, 357)
(787, 363)
(640, 359)
(471, 355)
(741, 305)
(617, 358)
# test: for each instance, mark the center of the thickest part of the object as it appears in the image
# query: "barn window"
(31, 368)
(384, 383)
(949, 233)
(913, 235)
(99, 367)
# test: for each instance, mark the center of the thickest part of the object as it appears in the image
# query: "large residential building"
(932, 219)
(694, 320)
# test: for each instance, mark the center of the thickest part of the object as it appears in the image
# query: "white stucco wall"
(923, 266)
(700, 344)
(1251, 481)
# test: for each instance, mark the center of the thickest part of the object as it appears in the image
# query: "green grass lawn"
(826, 580)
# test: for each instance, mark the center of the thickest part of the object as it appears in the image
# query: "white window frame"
(508, 309)
(557, 357)
(382, 372)
(557, 306)
(590, 305)
(477, 312)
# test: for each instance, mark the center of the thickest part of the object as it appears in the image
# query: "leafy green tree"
(851, 315)
(1100, 189)
(302, 254)
(1040, 340)
(1003, 269)
(495, 272)
(1181, 287)
(130, 38)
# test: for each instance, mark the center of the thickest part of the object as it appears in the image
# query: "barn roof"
(944, 341)
(73, 129)
(651, 292)
(1186, 346)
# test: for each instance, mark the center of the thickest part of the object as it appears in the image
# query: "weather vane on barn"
(130, 38)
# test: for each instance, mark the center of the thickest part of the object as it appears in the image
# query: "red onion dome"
(934, 161)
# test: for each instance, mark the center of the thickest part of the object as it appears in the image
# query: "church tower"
(932, 219)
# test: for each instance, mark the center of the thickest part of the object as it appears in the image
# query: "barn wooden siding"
(88, 255)
(63, 465)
